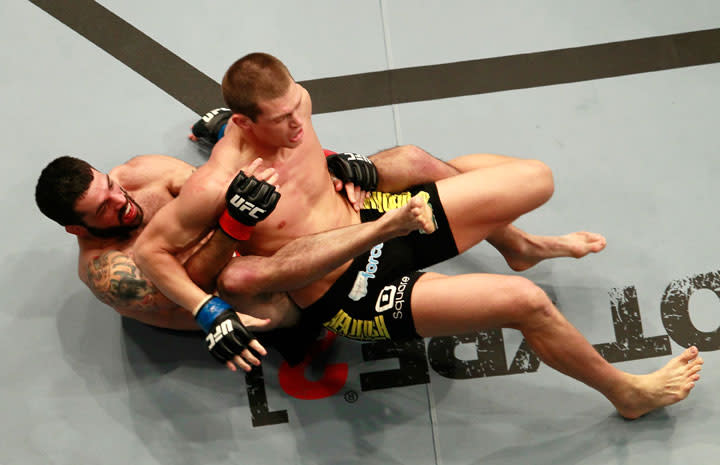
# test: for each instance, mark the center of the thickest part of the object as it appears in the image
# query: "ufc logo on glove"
(243, 205)
(223, 329)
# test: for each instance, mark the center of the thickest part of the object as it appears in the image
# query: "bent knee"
(225, 283)
(414, 152)
(235, 281)
(532, 302)
(543, 179)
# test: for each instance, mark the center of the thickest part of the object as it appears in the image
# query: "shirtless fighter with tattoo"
(107, 212)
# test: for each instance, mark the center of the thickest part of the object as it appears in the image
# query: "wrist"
(391, 222)
(234, 228)
(200, 305)
(209, 310)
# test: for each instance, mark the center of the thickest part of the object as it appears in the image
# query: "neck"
(267, 151)
(93, 242)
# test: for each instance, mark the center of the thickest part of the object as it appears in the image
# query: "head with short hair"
(252, 78)
(63, 181)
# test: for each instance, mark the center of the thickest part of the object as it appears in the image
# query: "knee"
(542, 177)
(415, 156)
(421, 161)
(415, 151)
(534, 306)
(226, 283)
(235, 282)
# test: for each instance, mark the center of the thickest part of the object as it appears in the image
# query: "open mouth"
(129, 213)
(297, 136)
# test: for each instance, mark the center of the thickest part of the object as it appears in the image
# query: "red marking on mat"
(293, 380)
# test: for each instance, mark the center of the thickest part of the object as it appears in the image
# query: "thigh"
(476, 161)
(478, 202)
(449, 305)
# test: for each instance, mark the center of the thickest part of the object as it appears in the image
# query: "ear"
(241, 121)
(77, 230)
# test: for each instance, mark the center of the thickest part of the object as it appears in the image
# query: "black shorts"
(371, 300)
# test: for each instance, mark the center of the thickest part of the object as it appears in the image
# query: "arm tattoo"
(116, 280)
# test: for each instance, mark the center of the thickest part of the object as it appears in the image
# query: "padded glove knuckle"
(354, 168)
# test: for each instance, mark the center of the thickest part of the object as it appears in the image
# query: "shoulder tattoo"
(116, 280)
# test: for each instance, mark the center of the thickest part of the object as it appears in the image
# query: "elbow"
(414, 155)
(141, 254)
(145, 257)
(422, 162)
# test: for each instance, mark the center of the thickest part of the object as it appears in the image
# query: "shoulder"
(234, 150)
(150, 167)
(143, 170)
(161, 161)
(306, 100)
(114, 278)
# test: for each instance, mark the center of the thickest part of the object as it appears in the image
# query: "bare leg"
(483, 203)
(523, 250)
(408, 165)
(477, 301)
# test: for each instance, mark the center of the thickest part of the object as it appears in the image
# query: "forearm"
(170, 277)
(204, 266)
(178, 227)
(307, 258)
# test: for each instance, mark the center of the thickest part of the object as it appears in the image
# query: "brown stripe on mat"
(200, 93)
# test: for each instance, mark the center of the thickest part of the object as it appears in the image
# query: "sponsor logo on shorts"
(383, 202)
(359, 289)
(343, 324)
(393, 298)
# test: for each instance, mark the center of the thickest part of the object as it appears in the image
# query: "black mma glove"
(226, 335)
(209, 126)
(248, 201)
(354, 168)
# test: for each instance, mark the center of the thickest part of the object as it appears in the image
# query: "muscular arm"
(179, 225)
(204, 266)
(309, 258)
(115, 280)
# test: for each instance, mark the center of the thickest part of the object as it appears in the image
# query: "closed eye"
(101, 207)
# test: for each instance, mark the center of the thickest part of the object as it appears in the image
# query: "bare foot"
(670, 384)
(416, 215)
(524, 252)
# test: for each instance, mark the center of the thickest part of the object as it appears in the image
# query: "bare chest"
(308, 204)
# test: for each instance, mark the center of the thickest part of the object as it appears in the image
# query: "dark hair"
(63, 181)
(254, 77)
